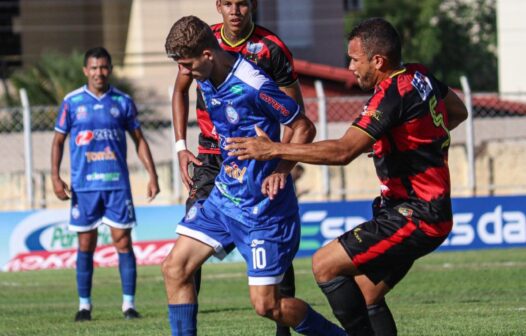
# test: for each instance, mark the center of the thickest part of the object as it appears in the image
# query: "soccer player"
(252, 205)
(407, 122)
(237, 33)
(97, 117)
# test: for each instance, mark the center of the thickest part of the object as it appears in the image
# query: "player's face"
(98, 71)
(199, 67)
(237, 14)
(362, 67)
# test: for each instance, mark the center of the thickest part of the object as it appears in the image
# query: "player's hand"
(258, 148)
(273, 183)
(185, 159)
(61, 189)
(153, 189)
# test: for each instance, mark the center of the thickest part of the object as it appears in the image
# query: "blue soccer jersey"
(248, 97)
(97, 128)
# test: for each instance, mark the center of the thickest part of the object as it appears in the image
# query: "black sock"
(348, 305)
(381, 319)
(287, 288)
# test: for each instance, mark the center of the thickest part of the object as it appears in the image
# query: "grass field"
(449, 293)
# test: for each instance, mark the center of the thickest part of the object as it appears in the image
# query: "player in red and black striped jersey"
(407, 123)
(237, 33)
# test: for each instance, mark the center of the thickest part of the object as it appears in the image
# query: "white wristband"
(180, 145)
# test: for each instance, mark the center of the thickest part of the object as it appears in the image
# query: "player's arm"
(302, 131)
(145, 155)
(60, 187)
(180, 108)
(456, 110)
(294, 92)
(328, 152)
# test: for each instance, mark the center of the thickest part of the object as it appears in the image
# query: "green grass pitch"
(446, 293)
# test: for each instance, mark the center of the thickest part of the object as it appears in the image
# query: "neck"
(234, 38)
(225, 63)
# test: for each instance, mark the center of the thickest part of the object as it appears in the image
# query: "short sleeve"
(132, 121)
(276, 104)
(63, 122)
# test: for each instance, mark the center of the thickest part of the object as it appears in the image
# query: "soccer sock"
(381, 319)
(128, 301)
(315, 324)
(287, 288)
(84, 278)
(128, 271)
(183, 319)
(348, 305)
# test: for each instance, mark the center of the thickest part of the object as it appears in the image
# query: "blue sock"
(84, 274)
(315, 324)
(183, 319)
(128, 271)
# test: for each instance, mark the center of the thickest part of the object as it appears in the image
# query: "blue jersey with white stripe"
(97, 128)
(246, 98)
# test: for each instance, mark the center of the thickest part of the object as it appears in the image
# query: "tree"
(451, 37)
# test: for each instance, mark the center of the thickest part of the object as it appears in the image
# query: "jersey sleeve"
(381, 112)
(132, 122)
(276, 104)
(63, 122)
(283, 71)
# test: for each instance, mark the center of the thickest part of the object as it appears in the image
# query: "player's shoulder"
(75, 94)
(250, 74)
(120, 95)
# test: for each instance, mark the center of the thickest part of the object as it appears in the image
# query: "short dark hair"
(188, 37)
(97, 52)
(379, 37)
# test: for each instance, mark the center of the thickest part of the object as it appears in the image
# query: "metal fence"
(487, 154)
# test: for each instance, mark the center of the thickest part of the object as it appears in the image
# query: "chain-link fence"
(498, 144)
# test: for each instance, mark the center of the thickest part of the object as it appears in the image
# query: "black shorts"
(385, 247)
(204, 177)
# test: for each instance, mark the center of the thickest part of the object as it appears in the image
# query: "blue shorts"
(89, 209)
(267, 247)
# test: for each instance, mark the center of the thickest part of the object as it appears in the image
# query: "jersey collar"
(85, 88)
(240, 42)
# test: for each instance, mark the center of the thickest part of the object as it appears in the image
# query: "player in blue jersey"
(97, 117)
(253, 205)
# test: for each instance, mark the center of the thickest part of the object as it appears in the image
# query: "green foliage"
(476, 293)
(53, 76)
(451, 37)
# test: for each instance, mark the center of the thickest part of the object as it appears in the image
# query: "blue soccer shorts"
(268, 247)
(89, 209)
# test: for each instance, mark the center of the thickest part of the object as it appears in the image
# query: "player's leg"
(334, 272)
(85, 218)
(119, 215)
(201, 235)
(287, 288)
(203, 182)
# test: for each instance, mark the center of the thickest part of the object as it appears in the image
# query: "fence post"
(28, 148)
(470, 145)
(322, 129)
(176, 174)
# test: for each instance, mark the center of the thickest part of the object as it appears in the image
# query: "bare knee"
(174, 271)
(321, 268)
(266, 307)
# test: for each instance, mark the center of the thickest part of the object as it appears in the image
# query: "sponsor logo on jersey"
(235, 172)
(254, 48)
(375, 114)
(115, 112)
(105, 155)
(104, 177)
(272, 102)
(422, 84)
(236, 89)
(223, 189)
(215, 102)
(257, 242)
(231, 114)
(85, 137)
(406, 212)
(98, 107)
(81, 113)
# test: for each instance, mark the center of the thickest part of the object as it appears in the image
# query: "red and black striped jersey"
(263, 48)
(408, 119)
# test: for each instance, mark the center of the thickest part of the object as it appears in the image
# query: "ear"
(85, 71)
(218, 6)
(379, 61)
(208, 54)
